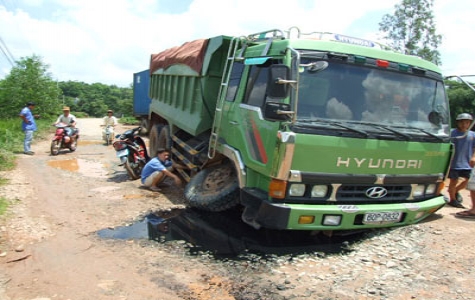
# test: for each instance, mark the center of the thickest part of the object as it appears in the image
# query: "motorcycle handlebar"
(61, 125)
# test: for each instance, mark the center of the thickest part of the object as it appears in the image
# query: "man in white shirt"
(108, 120)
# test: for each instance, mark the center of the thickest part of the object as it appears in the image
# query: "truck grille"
(357, 193)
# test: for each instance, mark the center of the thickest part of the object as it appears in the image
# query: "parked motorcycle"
(108, 134)
(62, 140)
(131, 150)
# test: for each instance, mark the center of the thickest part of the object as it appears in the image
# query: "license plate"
(123, 152)
(382, 217)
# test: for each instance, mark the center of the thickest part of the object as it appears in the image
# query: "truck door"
(243, 125)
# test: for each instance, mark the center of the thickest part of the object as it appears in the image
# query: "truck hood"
(342, 155)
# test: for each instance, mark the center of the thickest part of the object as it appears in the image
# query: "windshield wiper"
(364, 133)
(428, 133)
(326, 123)
(408, 137)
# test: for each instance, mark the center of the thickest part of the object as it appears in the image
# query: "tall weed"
(11, 139)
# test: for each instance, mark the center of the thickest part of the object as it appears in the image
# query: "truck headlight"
(319, 191)
(297, 190)
(431, 188)
(419, 190)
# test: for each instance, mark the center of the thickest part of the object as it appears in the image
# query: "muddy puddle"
(224, 234)
(85, 167)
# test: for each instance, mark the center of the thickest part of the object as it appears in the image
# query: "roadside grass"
(3, 205)
(11, 139)
(3, 201)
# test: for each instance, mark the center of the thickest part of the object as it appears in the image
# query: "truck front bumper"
(259, 212)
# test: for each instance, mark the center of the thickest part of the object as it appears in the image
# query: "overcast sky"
(106, 41)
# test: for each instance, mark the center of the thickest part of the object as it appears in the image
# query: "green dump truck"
(303, 131)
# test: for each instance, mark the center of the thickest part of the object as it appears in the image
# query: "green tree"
(461, 98)
(29, 80)
(411, 29)
(95, 99)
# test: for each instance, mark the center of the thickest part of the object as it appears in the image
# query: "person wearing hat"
(28, 126)
(67, 118)
(463, 159)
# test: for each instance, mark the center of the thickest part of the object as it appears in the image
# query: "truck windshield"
(346, 93)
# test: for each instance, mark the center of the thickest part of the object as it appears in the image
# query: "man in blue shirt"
(28, 126)
(156, 169)
(463, 160)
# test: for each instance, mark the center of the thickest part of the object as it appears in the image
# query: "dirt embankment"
(50, 248)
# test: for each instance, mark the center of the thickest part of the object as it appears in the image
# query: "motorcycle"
(108, 134)
(62, 140)
(131, 150)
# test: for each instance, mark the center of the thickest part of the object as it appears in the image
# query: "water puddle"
(90, 142)
(83, 166)
(68, 165)
(225, 234)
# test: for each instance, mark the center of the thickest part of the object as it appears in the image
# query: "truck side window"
(256, 86)
(234, 81)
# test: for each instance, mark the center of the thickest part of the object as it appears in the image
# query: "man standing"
(463, 160)
(156, 169)
(28, 126)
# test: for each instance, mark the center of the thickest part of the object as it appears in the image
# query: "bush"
(129, 121)
(11, 139)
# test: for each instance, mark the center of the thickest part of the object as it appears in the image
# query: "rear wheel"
(153, 139)
(164, 138)
(55, 147)
(144, 123)
(134, 169)
(213, 189)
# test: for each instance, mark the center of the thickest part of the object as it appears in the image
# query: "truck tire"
(153, 139)
(213, 189)
(164, 138)
(144, 123)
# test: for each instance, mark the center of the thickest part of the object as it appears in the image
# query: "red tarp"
(190, 53)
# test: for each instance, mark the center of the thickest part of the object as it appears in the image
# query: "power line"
(6, 52)
(3, 46)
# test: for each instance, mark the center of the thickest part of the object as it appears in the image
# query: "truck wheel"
(153, 139)
(144, 123)
(164, 138)
(213, 189)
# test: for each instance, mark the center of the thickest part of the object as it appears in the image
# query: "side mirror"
(275, 111)
(277, 85)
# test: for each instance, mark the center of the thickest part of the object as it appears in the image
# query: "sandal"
(155, 189)
(465, 214)
(455, 203)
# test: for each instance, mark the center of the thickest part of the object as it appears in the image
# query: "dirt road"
(50, 248)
